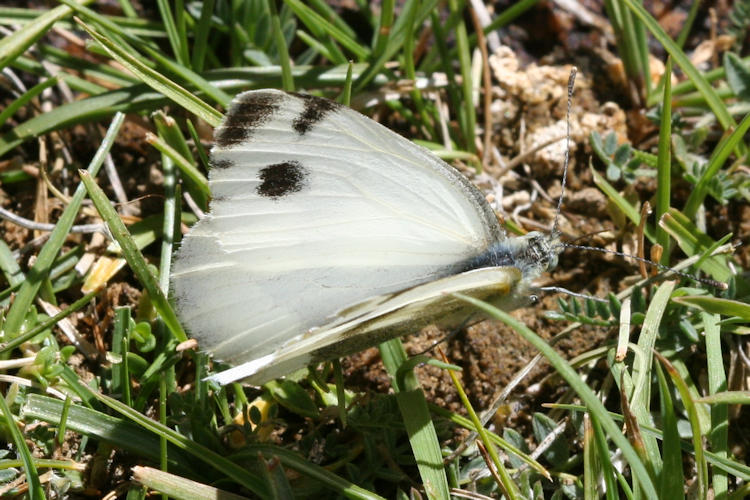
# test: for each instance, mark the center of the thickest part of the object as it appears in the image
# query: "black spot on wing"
(316, 108)
(222, 164)
(247, 112)
(281, 179)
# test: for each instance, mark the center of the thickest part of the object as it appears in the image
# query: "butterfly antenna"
(662, 267)
(571, 85)
(559, 289)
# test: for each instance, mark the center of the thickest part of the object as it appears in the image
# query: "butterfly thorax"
(533, 254)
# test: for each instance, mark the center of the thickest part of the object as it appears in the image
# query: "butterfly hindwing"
(380, 318)
(315, 208)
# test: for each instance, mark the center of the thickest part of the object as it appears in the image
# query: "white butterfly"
(329, 233)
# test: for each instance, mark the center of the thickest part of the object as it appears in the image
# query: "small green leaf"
(716, 305)
(558, 452)
(738, 75)
(293, 396)
(622, 154)
(610, 143)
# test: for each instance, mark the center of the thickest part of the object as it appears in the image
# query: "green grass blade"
(621, 203)
(385, 24)
(89, 69)
(494, 438)
(177, 149)
(641, 399)
(115, 431)
(416, 417)
(424, 442)
(170, 223)
(35, 492)
(688, 24)
(716, 305)
(732, 467)
(690, 407)
(186, 167)
(175, 486)
(467, 114)
(625, 40)
(726, 398)
(133, 256)
(199, 451)
(506, 16)
(672, 479)
(664, 163)
(135, 98)
(693, 241)
(156, 80)
(287, 81)
(590, 461)
(710, 76)
(16, 44)
(316, 22)
(120, 383)
(175, 35)
(48, 323)
(446, 61)
(299, 464)
(327, 10)
(507, 485)
(200, 35)
(9, 266)
(717, 383)
(605, 460)
(395, 41)
(183, 72)
(27, 96)
(127, 8)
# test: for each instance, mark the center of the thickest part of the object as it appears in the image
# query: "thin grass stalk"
(385, 24)
(287, 81)
(664, 163)
(135, 259)
(505, 482)
(35, 490)
(717, 382)
(697, 439)
(416, 418)
(201, 32)
(466, 112)
(672, 479)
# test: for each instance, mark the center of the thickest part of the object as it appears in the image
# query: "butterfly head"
(539, 253)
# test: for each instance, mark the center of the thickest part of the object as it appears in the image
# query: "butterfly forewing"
(315, 208)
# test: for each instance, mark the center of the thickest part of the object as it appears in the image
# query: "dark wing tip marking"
(281, 179)
(247, 112)
(316, 108)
